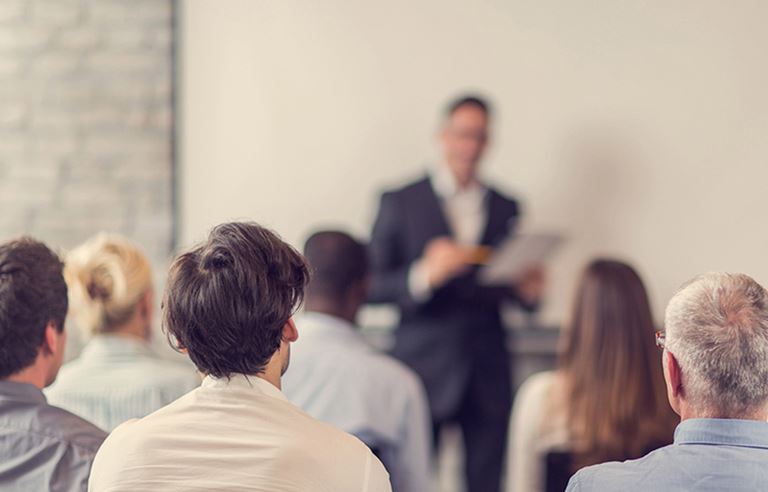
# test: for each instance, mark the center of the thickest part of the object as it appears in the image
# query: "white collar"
(107, 345)
(445, 184)
(312, 324)
(243, 382)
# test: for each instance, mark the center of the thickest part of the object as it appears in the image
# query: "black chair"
(559, 469)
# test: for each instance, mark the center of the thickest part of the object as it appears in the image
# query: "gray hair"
(717, 329)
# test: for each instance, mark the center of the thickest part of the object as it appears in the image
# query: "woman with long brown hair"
(607, 399)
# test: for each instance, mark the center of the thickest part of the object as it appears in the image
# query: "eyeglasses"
(661, 339)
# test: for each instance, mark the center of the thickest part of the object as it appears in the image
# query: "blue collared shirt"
(707, 455)
(43, 447)
(118, 378)
(337, 378)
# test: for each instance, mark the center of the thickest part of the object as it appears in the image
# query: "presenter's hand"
(444, 260)
(530, 287)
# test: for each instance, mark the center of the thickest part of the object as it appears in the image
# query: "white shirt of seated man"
(236, 434)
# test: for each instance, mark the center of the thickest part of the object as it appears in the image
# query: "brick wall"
(86, 120)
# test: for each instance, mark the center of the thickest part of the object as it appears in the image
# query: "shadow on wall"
(601, 179)
(604, 178)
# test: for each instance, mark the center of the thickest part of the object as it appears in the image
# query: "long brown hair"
(614, 389)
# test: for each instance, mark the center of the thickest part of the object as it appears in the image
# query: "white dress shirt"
(235, 435)
(118, 378)
(464, 208)
(337, 378)
(466, 212)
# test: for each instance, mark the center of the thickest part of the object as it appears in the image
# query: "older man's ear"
(673, 378)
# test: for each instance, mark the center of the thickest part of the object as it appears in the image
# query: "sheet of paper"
(513, 257)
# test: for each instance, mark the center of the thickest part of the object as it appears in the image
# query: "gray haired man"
(716, 368)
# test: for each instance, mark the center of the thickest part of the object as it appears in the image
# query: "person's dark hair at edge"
(337, 262)
(468, 100)
(227, 300)
(33, 294)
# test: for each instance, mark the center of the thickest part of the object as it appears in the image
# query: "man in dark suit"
(426, 242)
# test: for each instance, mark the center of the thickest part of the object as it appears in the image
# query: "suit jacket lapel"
(431, 212)
(494, 221)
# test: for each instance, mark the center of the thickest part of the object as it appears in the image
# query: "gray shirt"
(707, 455)
(43, 447)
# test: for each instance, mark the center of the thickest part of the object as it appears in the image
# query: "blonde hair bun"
(107, 277)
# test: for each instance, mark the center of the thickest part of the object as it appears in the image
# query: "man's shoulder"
(386, 372)
(415, 187)
(165, 417)
(504, 200)
(350, 455)
(367, 374)
(67, 427)
(625, 475)
(310, 437)
(142, 433)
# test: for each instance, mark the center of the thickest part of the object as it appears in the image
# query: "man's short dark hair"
(337, 261)
(33, 294)
(227, 300)
(468, 100)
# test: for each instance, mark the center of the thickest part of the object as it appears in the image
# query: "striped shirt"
(118, 378)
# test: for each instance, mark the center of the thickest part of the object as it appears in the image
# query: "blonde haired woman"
(117, 377)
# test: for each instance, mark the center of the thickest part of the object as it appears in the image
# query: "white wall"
(637, 128)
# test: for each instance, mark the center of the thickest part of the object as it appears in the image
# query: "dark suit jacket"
(455, 340)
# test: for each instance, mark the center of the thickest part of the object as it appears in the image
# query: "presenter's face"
(464, 139)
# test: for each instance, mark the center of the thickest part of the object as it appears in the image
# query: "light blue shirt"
(118, 378)
(707, 455)
(337, 378)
